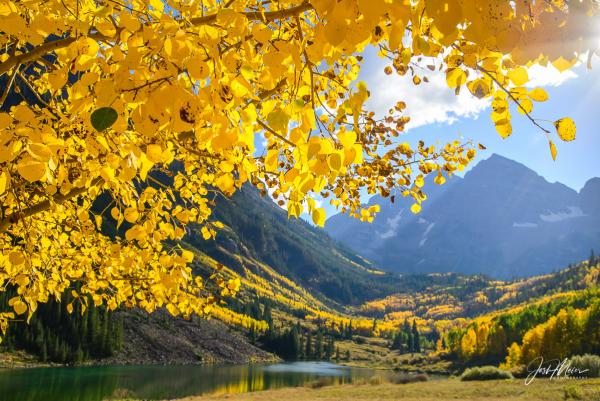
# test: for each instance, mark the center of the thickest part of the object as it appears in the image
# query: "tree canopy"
(158, 105)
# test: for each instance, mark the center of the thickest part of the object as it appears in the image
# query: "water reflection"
(162, 382)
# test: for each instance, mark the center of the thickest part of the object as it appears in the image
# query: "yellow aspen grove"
(152, 108)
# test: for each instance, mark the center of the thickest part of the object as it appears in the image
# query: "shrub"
(519, 371)
(588, 362)
(376, 380)
(485, 373)
(404, 379)
(320, 382)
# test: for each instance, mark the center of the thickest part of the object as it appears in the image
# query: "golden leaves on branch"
(156, 110)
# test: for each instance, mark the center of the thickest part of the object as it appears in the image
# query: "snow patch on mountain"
(525, 225)
(573, 212)
(427, 230)
(392, 224)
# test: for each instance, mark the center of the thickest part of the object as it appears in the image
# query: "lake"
(98, 383)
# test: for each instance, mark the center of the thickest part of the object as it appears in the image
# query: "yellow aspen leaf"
(145, 165)
(347, 138)
(480, 88)
(206, 234)
(131, 214)
(278, 120)
(225, 183)
(519, 76)
(234, 284)
(552, 150)
(562, 64)
(115, 213)
(107, 173)
(70, 307)
(187, 255)
(4, 180)
(525, 106)
(20, 307)
(336, 29)
(106, 28)
(136, 232)
(40, 152)
(5, 120)
(419, 181)
(566, 129)
(294, 209)
(32, 170)
(198, 68)
(415, 208)
(154, 153)
(7, 8)
(334, 161)
(157, 5)
(538, 95)
(504, 128)
(455, 77)
(447, 14)
(318, 217)
(173, 310)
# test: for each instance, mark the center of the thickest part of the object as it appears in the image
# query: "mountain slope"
(502, 219)
(256, 229)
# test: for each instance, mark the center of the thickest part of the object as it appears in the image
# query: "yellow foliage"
(196, 83)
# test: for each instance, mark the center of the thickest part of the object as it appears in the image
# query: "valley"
(304, 296)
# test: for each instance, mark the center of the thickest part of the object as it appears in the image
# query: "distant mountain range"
(502, 219)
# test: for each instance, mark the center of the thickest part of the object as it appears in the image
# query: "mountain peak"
(590, 197)
(497, 167)
(499, 161)
(502, 218)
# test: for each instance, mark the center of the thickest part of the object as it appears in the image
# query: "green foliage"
(103, 118)
(407, 339)
(485, 373)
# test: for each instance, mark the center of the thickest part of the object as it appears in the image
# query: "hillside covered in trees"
(465, 319)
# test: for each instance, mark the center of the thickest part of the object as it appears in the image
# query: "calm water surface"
(162, 382)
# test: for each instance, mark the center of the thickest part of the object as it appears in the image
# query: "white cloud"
(548, 76)
(433, 102)
(428, 103)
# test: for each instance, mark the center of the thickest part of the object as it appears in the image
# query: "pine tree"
(408, 336)
(319, 346)
(308, 353)
(416, 341)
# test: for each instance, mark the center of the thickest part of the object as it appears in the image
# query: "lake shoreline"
(22, 360)
(493, 390)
